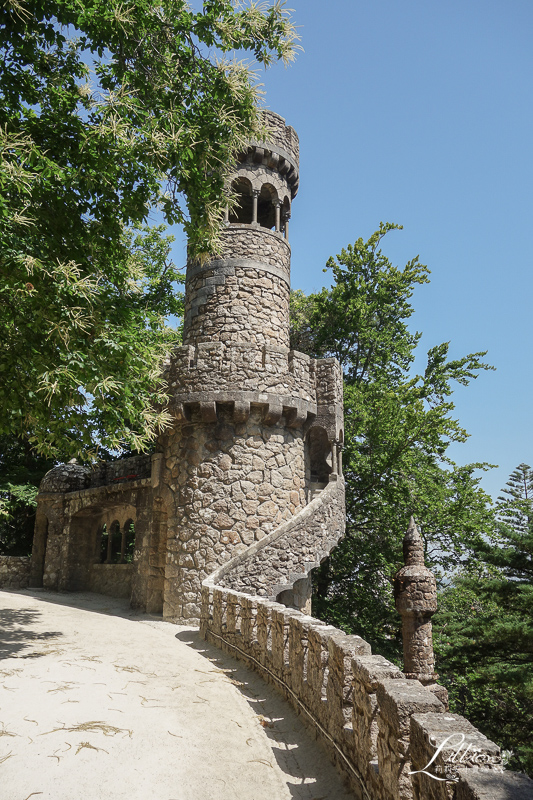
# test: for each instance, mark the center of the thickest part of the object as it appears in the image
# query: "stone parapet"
(450, 743)
(480, 784)
(125, 469)
(279, 153)
(379, 727)
(216, 366)
(15, 572)
(229, 370)
(281, 134)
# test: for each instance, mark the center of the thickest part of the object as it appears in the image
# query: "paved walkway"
(99, 702)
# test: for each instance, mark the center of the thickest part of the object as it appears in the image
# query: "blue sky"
(421, 113)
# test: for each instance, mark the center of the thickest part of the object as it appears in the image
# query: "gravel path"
(99, 702)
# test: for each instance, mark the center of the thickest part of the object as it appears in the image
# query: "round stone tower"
(243, 297)
(234, 464)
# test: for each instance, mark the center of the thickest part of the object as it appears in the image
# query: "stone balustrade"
(381, 729)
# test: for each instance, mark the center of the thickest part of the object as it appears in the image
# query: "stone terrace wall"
(14, 572)
(376, 724)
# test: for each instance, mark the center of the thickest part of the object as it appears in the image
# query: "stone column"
(287, 218)
(277, 206)
(415, 593)
(255, 196)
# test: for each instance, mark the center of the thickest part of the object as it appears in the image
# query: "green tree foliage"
(21, 471)
(398, 427)
(484, 630)
(81, 357)
(109, 110)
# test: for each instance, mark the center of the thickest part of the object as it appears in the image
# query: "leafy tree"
(81, 356)
(21, 471)
(398, 427)
(484, 631)
(107, 111)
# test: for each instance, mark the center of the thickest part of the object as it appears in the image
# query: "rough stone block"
(439, 745)
(482, 784)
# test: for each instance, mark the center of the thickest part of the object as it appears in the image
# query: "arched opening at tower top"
(319, 454)
(266, 206)
(242, 212)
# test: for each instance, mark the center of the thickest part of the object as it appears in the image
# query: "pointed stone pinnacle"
(413, 546)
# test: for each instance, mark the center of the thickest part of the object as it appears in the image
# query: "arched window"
(266, 206)
(127, 542)
(110, 543)
(242, 212)
(319, 453)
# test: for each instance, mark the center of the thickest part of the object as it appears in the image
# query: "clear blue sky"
(421, 113)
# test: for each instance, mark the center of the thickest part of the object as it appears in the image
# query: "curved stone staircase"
(288, 554)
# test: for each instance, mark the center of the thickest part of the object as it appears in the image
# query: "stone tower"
(257, 434)
(236, 465)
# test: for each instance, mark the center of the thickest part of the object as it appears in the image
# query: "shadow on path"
(289, 738)
(18, 640)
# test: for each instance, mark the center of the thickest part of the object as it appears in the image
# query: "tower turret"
(243, 296)
(238, 462)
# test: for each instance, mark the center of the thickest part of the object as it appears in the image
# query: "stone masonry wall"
(256, 243)
(113, 580)
(236, 299)
(14, 572)
(225, 485)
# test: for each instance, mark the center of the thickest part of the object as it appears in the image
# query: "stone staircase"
(275, 563)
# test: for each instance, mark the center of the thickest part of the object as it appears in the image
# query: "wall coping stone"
(480, 784)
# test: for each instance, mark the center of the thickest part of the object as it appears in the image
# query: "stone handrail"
(377, 726)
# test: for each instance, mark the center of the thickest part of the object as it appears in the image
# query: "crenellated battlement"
(220, 367)
(214, 371)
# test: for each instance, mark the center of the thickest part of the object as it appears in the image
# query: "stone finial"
(415, 593)
(413, 546)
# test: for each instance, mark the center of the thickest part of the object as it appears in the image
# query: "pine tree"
(484, 632)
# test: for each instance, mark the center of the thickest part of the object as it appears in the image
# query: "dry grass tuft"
(93, 727)
(89, 746)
